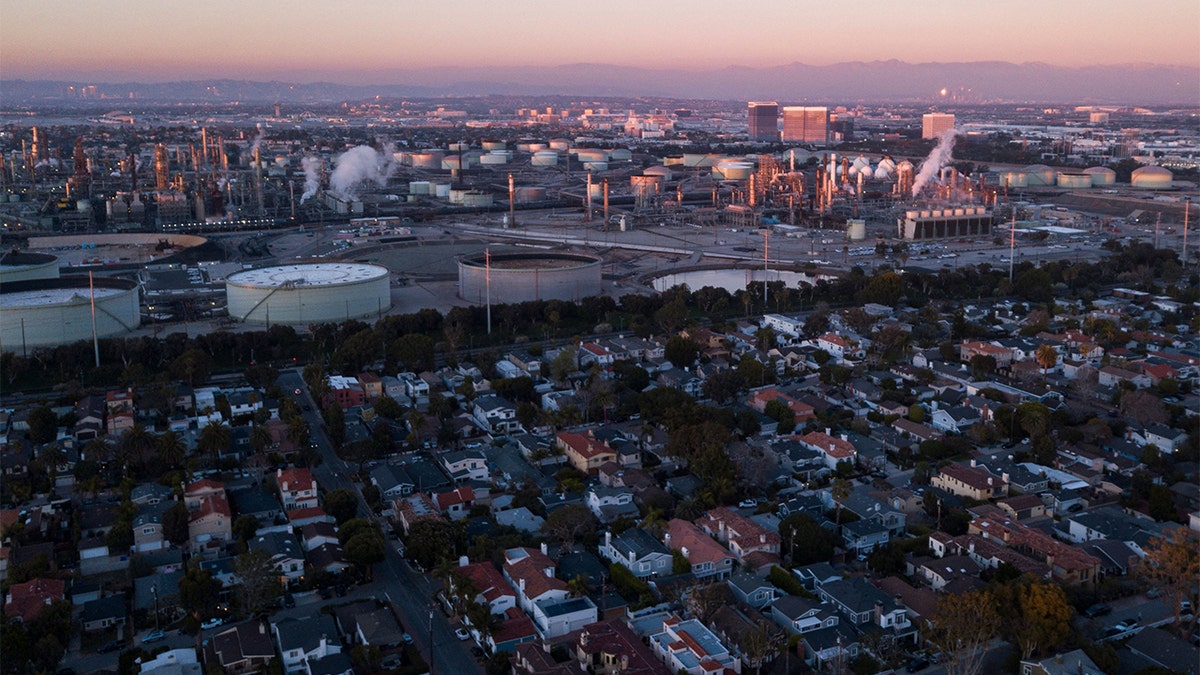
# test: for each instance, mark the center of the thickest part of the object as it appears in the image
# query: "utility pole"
(431, 659)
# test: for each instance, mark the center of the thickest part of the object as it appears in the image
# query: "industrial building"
(934, 125)
(308, 293)
(806, 124)
(521, 277)
(970, 221)
(764, 121)
(49, 312)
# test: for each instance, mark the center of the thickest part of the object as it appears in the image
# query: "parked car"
(212, 623)
(110, 646)
(461, 633)
(408, 639)
(919, 663)
(154, 636)
(1099, 609)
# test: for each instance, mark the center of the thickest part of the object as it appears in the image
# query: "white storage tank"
(1074, 181)
(595, 166)
(427, 160)
(459, 147)
(1152, 178)
(1101, 175)
(420, 187)
(308, 293)
(660, 171)
(494, 158)
(544, 158)
(1040, 175)
(21, 266)
(493, 146)
(441, 190)
(521, 277)
(620, 155)
(1014, 179)
(560, 144)
(591, 155)
(856, 229)
(50, 312)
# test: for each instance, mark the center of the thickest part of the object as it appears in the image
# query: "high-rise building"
(764, 121)
(806, 124)
(934, 124)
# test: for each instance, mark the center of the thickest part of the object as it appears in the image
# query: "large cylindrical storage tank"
(1152, 178)
(1040, 175)
(441, 191)
(592, 155)
(20, 266)
(50, 312)
(692, 160)
(544, 158)
(728, 169)
(1014, 179)
(427, 160)
(595, 166)
(492, 146)
(420, 187)
(308, 293)
(661, 172)
(856, 229)
(520, 277)
(620, 155)
(459, 147)
(1074, 181)
(494, 158)
(1101, 175)
(560, 144)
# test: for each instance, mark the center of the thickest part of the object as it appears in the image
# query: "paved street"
(410, 592)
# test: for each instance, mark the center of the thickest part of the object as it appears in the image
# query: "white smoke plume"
(258, 139)
(940, 156)
(356, 165)
(312, 177)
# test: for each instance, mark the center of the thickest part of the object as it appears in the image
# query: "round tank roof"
(308, 274)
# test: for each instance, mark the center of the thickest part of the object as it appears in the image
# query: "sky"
(365, 41)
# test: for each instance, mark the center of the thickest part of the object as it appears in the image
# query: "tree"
(43, 424)
(365, 548)
(564, 364)
(839, 490)
(1142, 407)
(681, 351)
(244, 528)
(1034, 614)
(960, 628)
(335, 425)
(430, 541)
(982, 365)
(1172, 563)
(171, 449)
(342, 504)
(806, 541)
(1046, 356)
(702, 600)
(198, 593)
(192, 366)
(569, 523)
(260, 581)
(214, 439)
(175, 523)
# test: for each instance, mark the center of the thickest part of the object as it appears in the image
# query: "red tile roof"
(834, 447)
(294, 480)
(215, 503)
(27, 600)
(700, 547)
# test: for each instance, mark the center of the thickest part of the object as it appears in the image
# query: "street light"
(431, 659)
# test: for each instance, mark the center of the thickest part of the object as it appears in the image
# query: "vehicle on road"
(1099, 609)
(919, 663)
(408, 639)
(153, 636)
(212, 623)
(461, 633)
(110, 646)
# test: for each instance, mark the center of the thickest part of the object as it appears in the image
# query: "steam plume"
(356, 165)
(312, 177)
(940, 156)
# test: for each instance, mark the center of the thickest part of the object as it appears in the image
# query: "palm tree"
(171, 449)
(260, 438)
(1046, 357)
(136, 445)
(214, 438)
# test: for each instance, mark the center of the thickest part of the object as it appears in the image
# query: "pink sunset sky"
(359, 41)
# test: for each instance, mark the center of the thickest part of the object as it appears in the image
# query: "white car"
(212, 623)
(461, 633)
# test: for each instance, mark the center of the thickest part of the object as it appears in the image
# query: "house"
(591, 352)
(328, 557)
(372, 385)
(103, 613)
(639, 552)
(954, 419)
(1074, 662)
(971, 348)
(611, 648)
(489, 585)
(690, 647)
(25, 601)
(495, 414)
(940, 572)
(584, 452)
(860, 603)
(285, 554)
(556, 617)
(1067, 564)
(148, 528)
(752, 590)
(759, 399)
(1159, 648)
(972, 482)
(197, 491)
(706, 557)
(210, 524)
(240, 649)
(455, 504)
(378, 628)
(305, 639)
(297, 489)
(864, 536)
(346, 391)
(835, 449)
(465, 465)
(802, 615)
(836, 346)
(313, 535)
(743, 536)
(173, 662)
(1023, 507)
(610, 503)
(531, 573)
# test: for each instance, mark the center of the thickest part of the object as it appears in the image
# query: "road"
(410, 592)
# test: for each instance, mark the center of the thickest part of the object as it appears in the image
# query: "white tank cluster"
(1102, 176)
(1152, 178)
(308, 293)
(47, 312)
(1040, 175)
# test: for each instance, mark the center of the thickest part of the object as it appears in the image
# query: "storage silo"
(427, 160)
(544, 158)
(49, 312)
(1152, 178)
(1040, 175)
(521, 277)
(21, 266)
(308, 293)
(620, 155)
(1014, 179)
(1074, 181)
(1101, 175)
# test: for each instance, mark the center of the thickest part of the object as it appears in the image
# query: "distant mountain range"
(851, 82)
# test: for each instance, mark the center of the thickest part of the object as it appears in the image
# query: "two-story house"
(297, 489)
(638, 551)
(495, 414)
(751, 543)
(584, 451)
(706, 557)
(531, 574)
(610, 503)
(970, 481)
(303, 640)
(465, 465)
